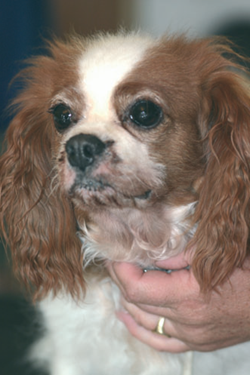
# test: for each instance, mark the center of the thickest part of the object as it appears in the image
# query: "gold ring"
(160, 327)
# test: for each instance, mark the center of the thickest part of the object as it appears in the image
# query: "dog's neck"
(138, 236)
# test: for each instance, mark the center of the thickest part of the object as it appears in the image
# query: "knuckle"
(192, 334)
(197, 320)
(139, 320)
(197, 339)
(131, 294)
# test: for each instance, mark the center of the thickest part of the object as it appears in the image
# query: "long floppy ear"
(36, 219)
(222, 214)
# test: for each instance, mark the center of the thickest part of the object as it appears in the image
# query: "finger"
(110, 268)
(152, 287)
(168, 312)
(122, 273)
(158, 342)
(148, 320)
(143, 318)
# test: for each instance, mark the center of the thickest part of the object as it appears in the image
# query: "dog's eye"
(62, 116)
(146, 114)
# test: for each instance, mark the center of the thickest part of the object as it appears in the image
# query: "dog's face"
(128, 138)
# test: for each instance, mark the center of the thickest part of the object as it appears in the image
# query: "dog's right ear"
(222, 213)
(36, 218)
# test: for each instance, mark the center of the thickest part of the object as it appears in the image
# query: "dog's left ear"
(36, 218)
(222, 214)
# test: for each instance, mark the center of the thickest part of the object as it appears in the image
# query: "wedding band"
(160, 327)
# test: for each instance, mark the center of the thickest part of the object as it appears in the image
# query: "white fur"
(86, 338)
(105, 63)
(170, 229)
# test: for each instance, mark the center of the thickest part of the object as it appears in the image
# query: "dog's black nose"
(83, 149)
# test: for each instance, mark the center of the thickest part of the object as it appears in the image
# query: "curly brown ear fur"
(36, 219)
(222, 213)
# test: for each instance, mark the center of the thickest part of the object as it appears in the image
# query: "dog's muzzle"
(85, 152)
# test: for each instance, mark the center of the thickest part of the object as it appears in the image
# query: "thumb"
(152, 287)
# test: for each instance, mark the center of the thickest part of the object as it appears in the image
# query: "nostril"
(71, 150)
(88, 151)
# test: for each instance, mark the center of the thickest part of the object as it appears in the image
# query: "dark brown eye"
(62, 116)
(146, 114)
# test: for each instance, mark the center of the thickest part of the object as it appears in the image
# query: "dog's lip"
(94, 185)
(99, 186)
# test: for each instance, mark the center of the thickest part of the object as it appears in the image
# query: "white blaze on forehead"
(105, 63)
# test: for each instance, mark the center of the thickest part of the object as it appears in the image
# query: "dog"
(122, 148)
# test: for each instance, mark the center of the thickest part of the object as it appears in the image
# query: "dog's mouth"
(102, 190)
(92, 185)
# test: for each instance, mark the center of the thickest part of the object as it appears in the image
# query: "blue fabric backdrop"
(23, 25)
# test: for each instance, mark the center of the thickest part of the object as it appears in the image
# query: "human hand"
(193, 320)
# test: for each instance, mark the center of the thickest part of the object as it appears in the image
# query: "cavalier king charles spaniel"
(122, 148)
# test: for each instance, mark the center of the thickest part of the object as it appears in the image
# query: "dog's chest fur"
(87, 338)
(141, 237)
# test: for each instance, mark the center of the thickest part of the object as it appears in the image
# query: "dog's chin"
(98, 194)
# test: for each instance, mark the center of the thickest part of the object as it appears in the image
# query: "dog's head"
(120, 129)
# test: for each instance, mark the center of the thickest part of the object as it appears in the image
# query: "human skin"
(195, 321)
